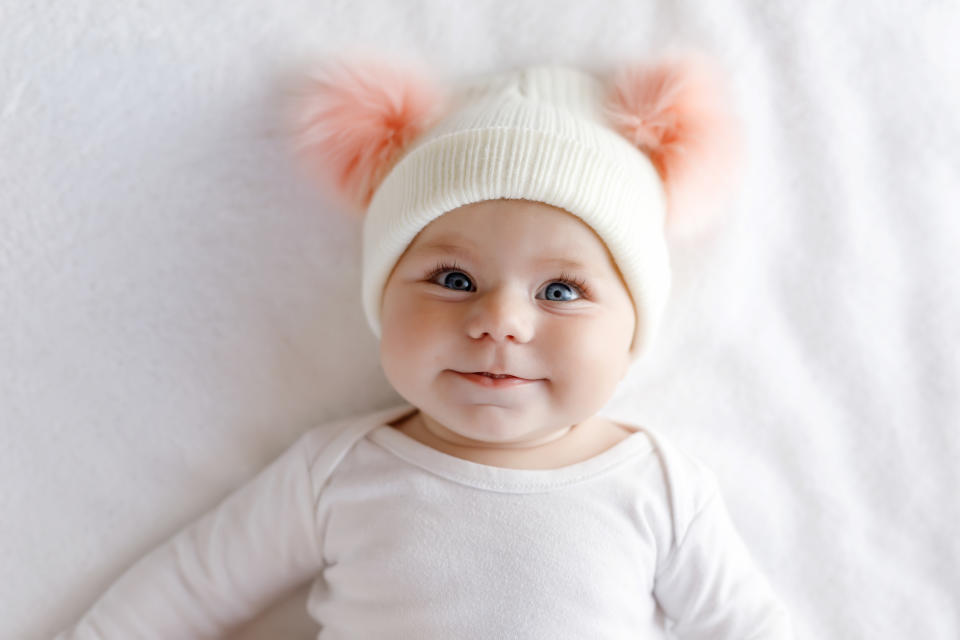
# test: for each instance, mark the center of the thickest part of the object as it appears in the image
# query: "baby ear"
(675, 111)
(354, 117)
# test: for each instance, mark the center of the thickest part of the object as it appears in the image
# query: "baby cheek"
(420, 325)
(594, 346)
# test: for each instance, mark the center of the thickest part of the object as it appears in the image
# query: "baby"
(514, 266)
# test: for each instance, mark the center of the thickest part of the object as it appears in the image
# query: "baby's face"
(476, 291)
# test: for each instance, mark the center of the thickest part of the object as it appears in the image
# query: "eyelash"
(578, 283)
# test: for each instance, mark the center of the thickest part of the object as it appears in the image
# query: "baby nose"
(502, 314)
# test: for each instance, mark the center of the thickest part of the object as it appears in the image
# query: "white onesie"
(404, 541)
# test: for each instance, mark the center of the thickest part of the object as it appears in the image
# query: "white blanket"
(178, 303)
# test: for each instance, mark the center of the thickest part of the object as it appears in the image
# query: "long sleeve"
(223, 569)
(709, 585)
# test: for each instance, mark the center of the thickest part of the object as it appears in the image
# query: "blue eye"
(456, 280)
(576, 285)
(554, 293)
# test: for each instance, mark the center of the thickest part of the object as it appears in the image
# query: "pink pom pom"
(675, 112)
(357, 117)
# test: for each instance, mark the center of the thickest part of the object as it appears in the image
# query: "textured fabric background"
(178, 303)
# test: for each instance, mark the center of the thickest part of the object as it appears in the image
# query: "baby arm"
(709, 585)
(221, 570)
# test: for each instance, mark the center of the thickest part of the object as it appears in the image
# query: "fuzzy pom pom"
(355, 117)
(675, 111)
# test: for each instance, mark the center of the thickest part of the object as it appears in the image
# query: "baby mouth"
(494, 380)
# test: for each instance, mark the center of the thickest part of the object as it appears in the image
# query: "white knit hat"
(608, 151)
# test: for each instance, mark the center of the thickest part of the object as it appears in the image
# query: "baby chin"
(497, 421)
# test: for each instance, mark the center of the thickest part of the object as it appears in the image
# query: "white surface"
(177, 304)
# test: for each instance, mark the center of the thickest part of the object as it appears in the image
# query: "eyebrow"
(449, 247)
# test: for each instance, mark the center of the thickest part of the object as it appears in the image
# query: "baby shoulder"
(323, 447)
(690, 484)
